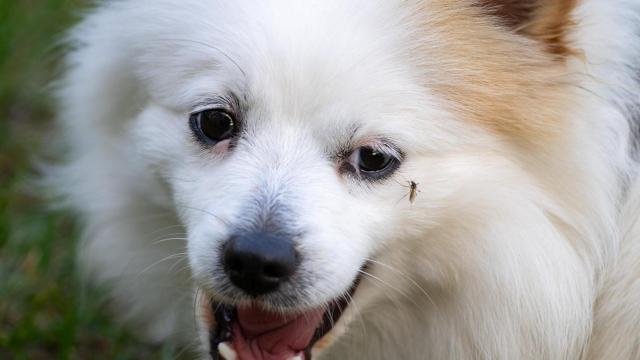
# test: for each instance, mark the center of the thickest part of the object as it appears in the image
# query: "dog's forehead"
(319, 62)
(304, 55)
(285, 53)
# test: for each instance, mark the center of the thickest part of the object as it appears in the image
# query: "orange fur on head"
(494, 75)
(545, 20)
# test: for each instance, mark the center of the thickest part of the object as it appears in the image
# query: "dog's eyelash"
(389, 149)
(229, 103)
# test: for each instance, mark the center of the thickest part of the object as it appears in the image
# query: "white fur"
(502, 256)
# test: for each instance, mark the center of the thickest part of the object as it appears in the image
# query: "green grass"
(45, 311)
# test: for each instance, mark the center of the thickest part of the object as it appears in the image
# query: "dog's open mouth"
(253, 333)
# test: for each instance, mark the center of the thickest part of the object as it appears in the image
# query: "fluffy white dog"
(362, 179)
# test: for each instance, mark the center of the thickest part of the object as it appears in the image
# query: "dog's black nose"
(259, 263)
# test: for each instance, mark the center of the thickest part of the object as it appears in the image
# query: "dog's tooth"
(297, 357)
(227, 351)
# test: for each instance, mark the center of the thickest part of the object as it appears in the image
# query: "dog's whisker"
(386, 284)
(328, 312)
(166, 228)
(385, 291)
(167, 258)
(196, 305)
(357, 313)
(371, 276)
(210, 46)
(380, 286)
(184, 269)
(406, 277)
(179, 261)
(169, 239)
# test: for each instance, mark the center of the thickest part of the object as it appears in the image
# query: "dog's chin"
(251, 331)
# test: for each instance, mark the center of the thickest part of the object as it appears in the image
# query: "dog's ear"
(547, 21)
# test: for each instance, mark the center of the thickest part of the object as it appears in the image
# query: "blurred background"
(45, 311)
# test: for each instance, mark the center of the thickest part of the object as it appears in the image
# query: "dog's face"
(290, 134)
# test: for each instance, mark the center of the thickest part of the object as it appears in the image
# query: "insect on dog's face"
(289, 150)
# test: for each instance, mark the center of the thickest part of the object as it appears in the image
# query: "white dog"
(362, 179)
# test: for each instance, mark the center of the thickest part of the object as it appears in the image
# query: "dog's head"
(312, 145)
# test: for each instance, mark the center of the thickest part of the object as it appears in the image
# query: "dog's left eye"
(212, 126)
(371, 160)
(373, 163)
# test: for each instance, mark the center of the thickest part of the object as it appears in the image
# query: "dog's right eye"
(213, 126)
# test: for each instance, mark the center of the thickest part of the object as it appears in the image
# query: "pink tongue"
(262, 335)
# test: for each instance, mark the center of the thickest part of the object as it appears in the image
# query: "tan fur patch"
(491, 75)
(547, 21)
(551, 23)
(513, 13)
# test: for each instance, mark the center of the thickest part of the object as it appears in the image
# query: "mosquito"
(413, 190)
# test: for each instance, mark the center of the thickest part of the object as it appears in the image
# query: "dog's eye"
(213, 126)
(371, 160)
